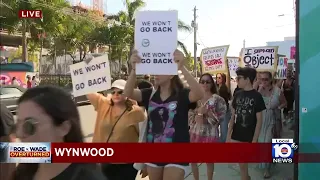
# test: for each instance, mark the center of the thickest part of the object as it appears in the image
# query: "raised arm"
(96, 99)
(129, 89)
(196, 91)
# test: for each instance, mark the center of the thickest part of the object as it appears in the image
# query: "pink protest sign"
(293, 52)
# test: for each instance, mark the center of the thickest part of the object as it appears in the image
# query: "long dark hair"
(60, 107)
(213, 88)
(224, 91)
(176, 84)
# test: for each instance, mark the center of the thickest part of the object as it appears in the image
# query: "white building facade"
(284, 46)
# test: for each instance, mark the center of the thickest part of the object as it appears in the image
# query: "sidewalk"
(231, 171)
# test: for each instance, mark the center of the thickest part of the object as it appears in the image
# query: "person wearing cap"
(117, 121)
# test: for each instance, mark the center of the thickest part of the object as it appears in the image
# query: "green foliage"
(64, 32)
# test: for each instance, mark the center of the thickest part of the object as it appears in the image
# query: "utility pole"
(244, 43)
(195, 27)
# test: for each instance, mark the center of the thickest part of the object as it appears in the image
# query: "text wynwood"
(156, 58)
(255, 58)
(157, 26)
(91, 82)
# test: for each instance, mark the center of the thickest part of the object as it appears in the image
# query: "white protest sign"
(92, 77)
(282, 68)
(233, 64)
(214, 59)
(156, 37)
(260, 58)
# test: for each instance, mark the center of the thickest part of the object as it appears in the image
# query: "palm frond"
(183, 47)
(182, 26)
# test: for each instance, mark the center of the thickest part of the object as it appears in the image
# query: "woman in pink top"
(205, 119)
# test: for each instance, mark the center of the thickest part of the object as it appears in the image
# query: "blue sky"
(223, 22)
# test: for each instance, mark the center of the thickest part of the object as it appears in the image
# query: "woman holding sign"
(167, 107)
(118, 122)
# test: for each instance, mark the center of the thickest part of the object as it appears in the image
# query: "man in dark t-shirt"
(247, 107)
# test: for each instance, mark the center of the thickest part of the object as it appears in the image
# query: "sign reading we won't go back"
(156, 35)
(260, 58)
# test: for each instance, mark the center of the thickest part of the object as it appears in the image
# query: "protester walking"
(246, 120)
(6, 126)
(48, 114)
(287, 87)
(271, 124)
(29, 84)
(205, 119)
(225, 93)
(117, 121)
(167, 108)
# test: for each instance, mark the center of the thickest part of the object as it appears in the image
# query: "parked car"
(9, 94)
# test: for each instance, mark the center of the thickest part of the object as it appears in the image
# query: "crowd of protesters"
(204, 112)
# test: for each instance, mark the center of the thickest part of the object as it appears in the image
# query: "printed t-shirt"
(167, 120)
(127, 128)
(246, 104)
(81, 172)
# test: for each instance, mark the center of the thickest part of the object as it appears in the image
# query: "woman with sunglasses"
(48, 114)
(271, 117)
(167, 108)
(225, 93)
(117, 122)
(205, 119)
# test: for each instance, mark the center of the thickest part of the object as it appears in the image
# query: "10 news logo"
(283, 150)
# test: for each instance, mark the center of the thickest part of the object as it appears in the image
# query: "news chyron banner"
(25, 152)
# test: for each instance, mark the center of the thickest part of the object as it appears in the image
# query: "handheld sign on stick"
(260, 58)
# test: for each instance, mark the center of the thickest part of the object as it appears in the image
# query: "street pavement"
(223, 171)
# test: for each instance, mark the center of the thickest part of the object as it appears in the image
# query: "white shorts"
(180, 166)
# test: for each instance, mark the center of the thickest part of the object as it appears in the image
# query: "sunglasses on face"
(28, 127)
(218, 77)
(205, 82)
(119, 92)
